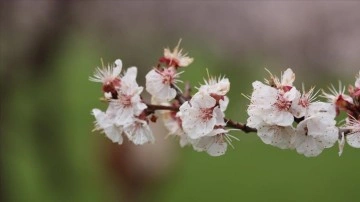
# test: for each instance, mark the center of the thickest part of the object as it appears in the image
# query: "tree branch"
(152, 108)
(229, 123)
(232, 124)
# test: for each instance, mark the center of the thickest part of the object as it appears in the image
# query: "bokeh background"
(50, 48)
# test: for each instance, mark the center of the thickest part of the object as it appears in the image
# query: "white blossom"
(355, 91)
(216, 86)
(254, 121)
(357, 82)
(215, 143)
(159, 83)
(107, 74)
(129, 103)
(173, 122)
(286, 81)
(200, 115)
(139, 132)
(105, 122)
(278, 136)
(300, 106)
(176, 58)
(317, 131)
(272, 105)
(353, 137)
(338, 97)
(287, 78)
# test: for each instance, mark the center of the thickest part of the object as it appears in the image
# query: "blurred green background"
(50, 48)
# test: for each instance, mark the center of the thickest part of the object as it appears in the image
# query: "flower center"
(206, 113)
(282, 104)
(168, 76)
(304, 102)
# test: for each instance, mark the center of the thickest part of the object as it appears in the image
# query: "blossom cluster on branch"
(279, 113)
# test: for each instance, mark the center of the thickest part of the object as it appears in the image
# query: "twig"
(152, 108)
(232, 124)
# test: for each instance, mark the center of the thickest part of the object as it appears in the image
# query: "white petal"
(108, 95)
(185, 61)
(223, 86)
(211, 145)
(163, 92)
(185, 140)
(224, 103)
(254, 121)
(357, 82)
(281, 118)
(158, 89)
(201, 128)
(219, 115)
(114, 134)
(292, 94)
(313, 135)
(130, 75)
(217, 149)
(139, 108)
(185, 106)
(102, 119)
(353, 139)
(202, 144)
(263, 92)
(97, 112)
(124, 116)
(309, 147)
(288, 78)
(276, 135)
(192, 112)
(321, 108)
(118, 63)
(116, 72)
(203, 101)
(297, 110)
(105, 122)
(139, 133)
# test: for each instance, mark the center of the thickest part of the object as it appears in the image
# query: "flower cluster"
(279, 113)
(350, 104)
(161, 81)
(126, 111)
(202, 117)
(288, 119)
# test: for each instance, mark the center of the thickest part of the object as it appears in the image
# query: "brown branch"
(152, 108)
(162, 107)
(232, 124)
(229, 123)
